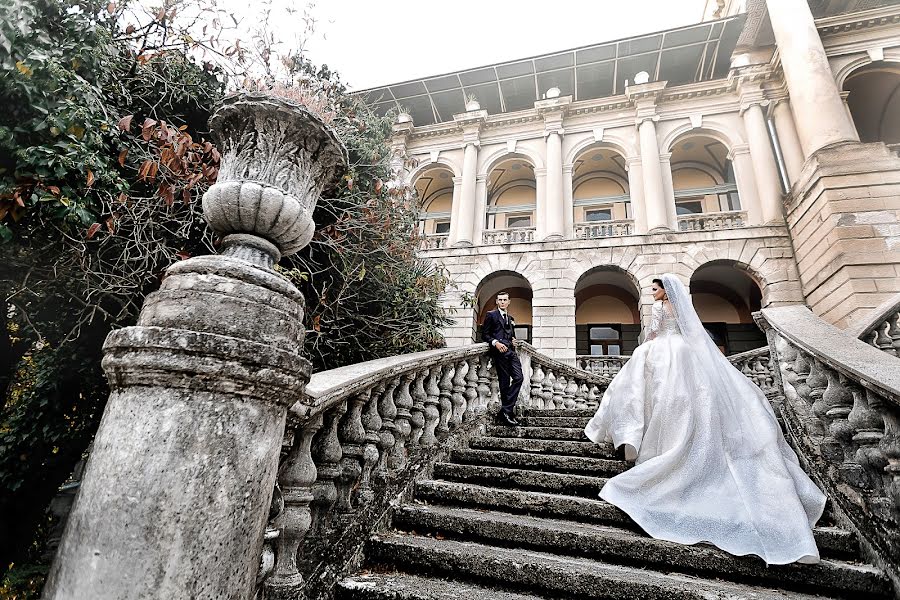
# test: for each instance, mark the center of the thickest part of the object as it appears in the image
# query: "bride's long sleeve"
(656, 317)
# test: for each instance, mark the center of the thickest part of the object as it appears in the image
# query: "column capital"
(541, 172)
(738, 150)
(665, 157)
(567, 169)
(458, 180)
(749, 102)
(631, 161)
(639, 120)
(481, 178)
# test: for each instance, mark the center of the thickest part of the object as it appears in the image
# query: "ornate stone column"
(177, 490)
(568, 201)
(480, 209)
(636, 193)
(453, 234)
(665, 166)
(746, 182)
(644, 97)
(470, 123)
(791, 149)
(554, 110)
(764, 167)
(818, 109)
(540, 208)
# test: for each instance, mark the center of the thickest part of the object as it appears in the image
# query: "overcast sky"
(371, 43)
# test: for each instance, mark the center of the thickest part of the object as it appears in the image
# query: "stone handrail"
(514, 235)
(710, 221)
(882, 329)
(434, 241)
(550, 383)
(841, 412)
(755, 364)
(356, 440)
(602, 229)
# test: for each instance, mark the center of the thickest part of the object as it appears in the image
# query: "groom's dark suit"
(509, 370)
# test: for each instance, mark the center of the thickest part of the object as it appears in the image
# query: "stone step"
(574, 422)
(625, 547)
(573, 485)
(558, 447)
(401, 586)
(541, 462)
(558, 412)
(555, 576)
(538, 433)
(832, 541)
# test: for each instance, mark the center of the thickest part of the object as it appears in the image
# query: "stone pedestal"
(844, 216)
(178, 485)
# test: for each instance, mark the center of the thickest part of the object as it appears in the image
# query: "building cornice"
(867, 19)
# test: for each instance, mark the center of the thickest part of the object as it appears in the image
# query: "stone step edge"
(833, 541)
(630, 548)
(550, 574)
(403, 586)
(494, 458)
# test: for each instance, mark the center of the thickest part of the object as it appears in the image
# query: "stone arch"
(891, 55)
(521, 295)
(618, 143)
(757, 275)
(724, 135)
(431, 164)
(725, 293)
(874, 101)
(500, 154)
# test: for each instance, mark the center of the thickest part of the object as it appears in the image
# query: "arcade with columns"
(753, 154)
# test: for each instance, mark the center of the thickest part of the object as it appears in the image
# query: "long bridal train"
(711, 462)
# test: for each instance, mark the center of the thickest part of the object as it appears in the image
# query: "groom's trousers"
(509, 376)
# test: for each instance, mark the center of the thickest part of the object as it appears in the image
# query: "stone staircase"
(516, 517)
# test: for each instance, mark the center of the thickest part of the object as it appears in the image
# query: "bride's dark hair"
(659, 283)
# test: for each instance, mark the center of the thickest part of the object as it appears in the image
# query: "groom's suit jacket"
(495, 327)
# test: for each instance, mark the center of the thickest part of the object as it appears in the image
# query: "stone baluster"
(838, 401)
(471, 389)
(559, 387)
(537, 378)
(446, 387)
(297, 476)
(593, 399)
(387, 410)
(494, 404)
(484, 382)
(458, 397)
(817, 383)
(417, 414)
(404, 402)
(372, 423)
(432, 407)
(867, 426)
(581, 398)
(571, 392)
(890, 448)
(802, 370)
(327, 456)
(547, 383)
(353, 438)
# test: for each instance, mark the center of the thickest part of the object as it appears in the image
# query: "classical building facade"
(753, 154)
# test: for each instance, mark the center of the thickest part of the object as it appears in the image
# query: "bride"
(711, 464)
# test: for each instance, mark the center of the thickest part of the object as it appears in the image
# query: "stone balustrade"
(882, 328)
(354, 442)
(605, 365)
(603, 229)
(434, 241)
(841, 413)
(731, 219)
(550, 383)
(755, 364)
(514, 235)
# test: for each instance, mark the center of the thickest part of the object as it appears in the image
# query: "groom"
(499, 331)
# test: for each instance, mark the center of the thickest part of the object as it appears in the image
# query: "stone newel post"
(178, 486)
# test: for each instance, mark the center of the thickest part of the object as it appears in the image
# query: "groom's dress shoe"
(507, 419)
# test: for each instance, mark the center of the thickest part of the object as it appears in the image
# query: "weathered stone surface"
(626, 547)
(523, 460)
(566, 422)
(398, 586)
(539, 433)
(576, 485)
(557, 575)
(560, 447)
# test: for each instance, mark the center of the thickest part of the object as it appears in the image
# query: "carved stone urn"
(277, 158)
(177, 490)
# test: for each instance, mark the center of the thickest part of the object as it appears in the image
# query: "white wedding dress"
(711, 462)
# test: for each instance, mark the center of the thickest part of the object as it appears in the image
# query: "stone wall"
(553, 269)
